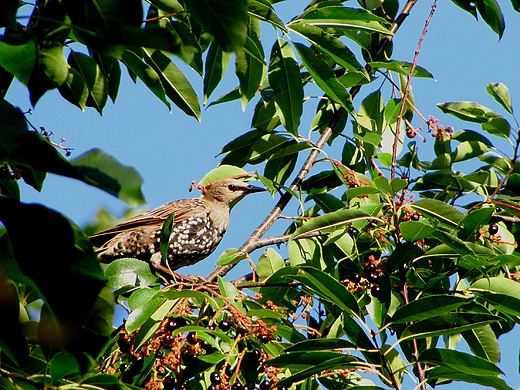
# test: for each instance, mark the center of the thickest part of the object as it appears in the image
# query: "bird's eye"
(231, 187)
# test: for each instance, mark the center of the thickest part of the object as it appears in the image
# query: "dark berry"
(372, 277)
(415, 217)
(175, 323)
(215, 378)
(124, 344)
(257, 354)
(192, 339)
(249, 387)
(376, 291)
(137, 363)
(167, 340)
(266, 385)
(187, 357)
(282, 387)
(380, 274)
(237, 386)
(212, 387)
(264, 338)
(493, 229)
(159, 354)
(354, 277)
(369, 267)
(206, 346)
(169, 383)
(225, 325)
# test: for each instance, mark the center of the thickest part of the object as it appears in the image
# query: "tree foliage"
(392, 262)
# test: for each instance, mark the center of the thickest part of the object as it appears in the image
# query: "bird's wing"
(182, 209)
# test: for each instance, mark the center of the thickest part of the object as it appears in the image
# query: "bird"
(198, 227)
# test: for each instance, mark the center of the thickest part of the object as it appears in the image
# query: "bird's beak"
(251, 188)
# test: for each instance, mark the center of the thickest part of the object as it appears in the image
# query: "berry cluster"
(439, 131)
(372, 276)
(171, 353)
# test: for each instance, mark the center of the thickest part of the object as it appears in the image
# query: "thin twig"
(286, 197)
(407, 88)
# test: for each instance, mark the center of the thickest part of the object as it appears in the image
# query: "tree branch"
(250, 244)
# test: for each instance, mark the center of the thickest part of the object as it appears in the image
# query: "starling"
(198, 227)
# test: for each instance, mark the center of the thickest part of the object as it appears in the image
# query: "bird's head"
(229, 191)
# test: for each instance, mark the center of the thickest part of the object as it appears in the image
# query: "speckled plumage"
(198, 227)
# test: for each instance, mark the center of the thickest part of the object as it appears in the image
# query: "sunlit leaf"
(401, 67)
(460, 361)
(441, 211)
(427, 307)
(501, 94)
(338, 16)
(334, 219)
(446, 324)
(413, 231)
(285, 80)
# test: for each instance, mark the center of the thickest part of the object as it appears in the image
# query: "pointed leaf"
(473, 222)
(401, 67)
(446, 324)
(483, 343)
(334, 219)
(427, 307)
(175, 83)
(324, 77)
(216, 64)
(339, 16)
(329, 44)
(285, 80)
(147, 75)
(501, 94)
(413, 231)
(460, 361)
(228, 24)
(441, 211)
(490, 121)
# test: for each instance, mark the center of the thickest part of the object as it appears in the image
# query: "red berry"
(167, 340)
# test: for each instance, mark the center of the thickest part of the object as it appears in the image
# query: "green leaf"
(280, 169)
(105, 172)
(143, 313)
(216, 64)
(467, 150)
(446, 324)
(269, 263)
(222, 172)
(175, 83)
(444, 213)
(334, 219)
(164, 242)
(427, 307)
(77, 317)
(447, 373)
(19, 60)
(413, 231)
(328, 288)
(249, 69)
(324, 77)
(74, 89)
(401, 67)
(501, 94)
(490, 121)
(93, 78)
(64, 365)
(492, 15)
(329, 44)
(483, 343)
(227, 289)
(129, 272)
(472, 222)
(231, 256)
(228, 24)
(320, 345)
(460, 361)
(266, 146)
(147, 75)
(343, 17)
(285, 80)
(502, 293)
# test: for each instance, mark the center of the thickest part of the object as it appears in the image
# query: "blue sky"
(170, 149)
